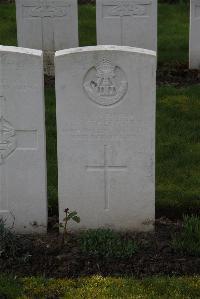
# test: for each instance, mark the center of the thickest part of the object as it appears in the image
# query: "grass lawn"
(178, 149)
(99, 288)
(178, 111)
(173, 33)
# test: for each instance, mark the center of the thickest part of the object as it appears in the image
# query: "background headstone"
(127, 23)
(47, 25)
(23, 200)
(106, 136)
(194, 34)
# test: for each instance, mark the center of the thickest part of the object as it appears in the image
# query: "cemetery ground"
(161, 267)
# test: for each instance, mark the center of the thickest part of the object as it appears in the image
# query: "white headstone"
(127, 23)
(23, 200)
(106, 136)
(47, 25)
(194, 34)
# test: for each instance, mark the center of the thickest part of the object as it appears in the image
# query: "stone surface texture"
(194, 44)
(23, 199)
(47, 25)
(106, 136)
(127, 23)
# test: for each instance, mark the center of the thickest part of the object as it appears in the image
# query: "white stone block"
(194, 35)
(106, 99)
(47, 25)
(127, 23)
(23, 199)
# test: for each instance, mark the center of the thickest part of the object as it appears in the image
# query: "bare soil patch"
(44, 255)
(177, 74)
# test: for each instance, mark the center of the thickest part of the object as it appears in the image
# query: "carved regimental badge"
(45, 10)
(7, 139)
(128, 8)
(105, 84)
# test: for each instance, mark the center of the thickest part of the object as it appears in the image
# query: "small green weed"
(10, 288)
(68, 217)
(8, 241)
(189, 239)
(107, 243)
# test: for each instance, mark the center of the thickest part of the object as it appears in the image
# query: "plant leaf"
(72, 214)
(76, 219)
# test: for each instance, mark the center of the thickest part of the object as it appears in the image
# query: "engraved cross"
(11, 140)
(106, 167)
(46, 13)
(197, 9)
(123, 10)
